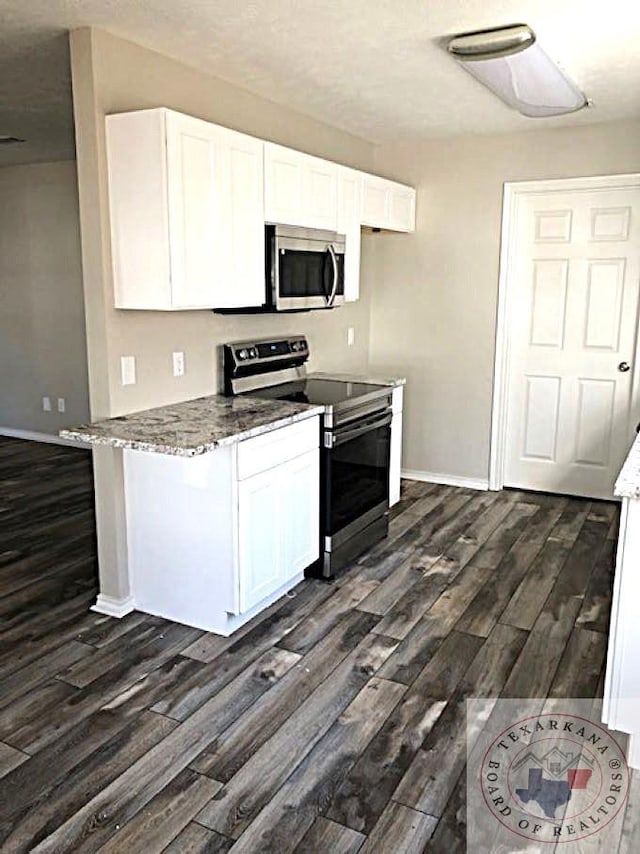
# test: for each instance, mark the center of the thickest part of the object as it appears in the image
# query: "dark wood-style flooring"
(333, 723)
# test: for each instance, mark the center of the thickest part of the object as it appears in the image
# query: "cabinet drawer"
(272, 449)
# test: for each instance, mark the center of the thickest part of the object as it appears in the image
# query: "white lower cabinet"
(278, 526)
(214, 539)
(621, 704)
(395, 457)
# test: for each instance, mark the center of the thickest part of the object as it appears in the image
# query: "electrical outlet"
(128, 370)
(61, 404)
(351, 336)
(178, 364)
(46, 404)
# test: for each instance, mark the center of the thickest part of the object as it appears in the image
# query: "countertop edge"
(392, 382)
(86, 437)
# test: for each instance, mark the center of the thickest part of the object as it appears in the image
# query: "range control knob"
(243, 354)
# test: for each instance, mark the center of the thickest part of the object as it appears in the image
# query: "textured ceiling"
(375, 68)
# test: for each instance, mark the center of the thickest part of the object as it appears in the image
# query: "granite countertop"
(357, 378)
(193, 427)
(628, 482)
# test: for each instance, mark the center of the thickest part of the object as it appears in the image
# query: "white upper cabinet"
(300, 189)
(387, 204)
(349, 208)
(186, 202)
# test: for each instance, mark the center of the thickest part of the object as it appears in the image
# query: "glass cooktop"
(318, 392)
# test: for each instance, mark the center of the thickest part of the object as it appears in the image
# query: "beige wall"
(42, 340)
(111, 75)
(434, 309)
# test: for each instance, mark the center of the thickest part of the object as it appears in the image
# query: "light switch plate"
(128, 370)
(46, 404)
(62, 404)
(351, 336)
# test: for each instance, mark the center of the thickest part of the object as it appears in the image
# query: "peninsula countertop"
(193, 427)
(628, 482)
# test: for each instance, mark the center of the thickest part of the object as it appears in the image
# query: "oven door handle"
(334, 261)
(334, 438)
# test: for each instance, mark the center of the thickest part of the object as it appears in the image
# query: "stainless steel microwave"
(304, 267)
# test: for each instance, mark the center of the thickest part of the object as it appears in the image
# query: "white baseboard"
(445, 479)
(113, 607)
(34, 436)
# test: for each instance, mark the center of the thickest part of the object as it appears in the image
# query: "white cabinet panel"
(387, 204)
(300, 506)
(194, 197)
(395, 461)
(187, 212)
(241, 223)
(261, 559)
(300, 189)
(349, 206)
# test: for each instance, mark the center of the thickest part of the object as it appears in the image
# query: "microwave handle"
(334, 289)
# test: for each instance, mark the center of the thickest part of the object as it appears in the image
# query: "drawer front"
(274, 448)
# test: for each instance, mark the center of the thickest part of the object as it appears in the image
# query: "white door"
(572, 333)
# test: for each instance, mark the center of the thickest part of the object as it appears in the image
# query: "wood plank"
(122, 799)
(228, 753)
(22, 681)
(294, 807)
(181, 701)
(164, 816)
(401, 829)
(364, 794)
(504, 536)
(596, 607)
(491, 601)
(326, 835)
(10, 758)
(257, 781)
(29, 821)
(322, 619)
(428, 783)
(424, 639)
(451, 832)
(579, 669)
(196, 839)
(35, 731)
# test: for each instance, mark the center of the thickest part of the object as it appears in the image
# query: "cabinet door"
(300, 189)
(349, 204)
(376, 201)
(300, 512)
(402, 208)
(240, 225)
(193, 170)
(260, 541)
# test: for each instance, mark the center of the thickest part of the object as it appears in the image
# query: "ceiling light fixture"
(510, 62)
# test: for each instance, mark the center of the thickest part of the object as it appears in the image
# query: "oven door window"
(356, 478)
(308, 274)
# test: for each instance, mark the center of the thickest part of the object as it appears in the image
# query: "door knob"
(623, 367)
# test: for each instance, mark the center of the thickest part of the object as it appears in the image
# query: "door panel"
(574, 294)
(260, 537)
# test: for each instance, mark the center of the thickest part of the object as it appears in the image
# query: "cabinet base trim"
(113, 607)
(446, 479)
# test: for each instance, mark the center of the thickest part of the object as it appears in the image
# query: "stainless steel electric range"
(355, 442)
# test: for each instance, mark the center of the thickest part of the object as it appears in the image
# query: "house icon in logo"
(564, 776)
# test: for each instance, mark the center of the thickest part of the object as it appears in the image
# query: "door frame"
(513, 195)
